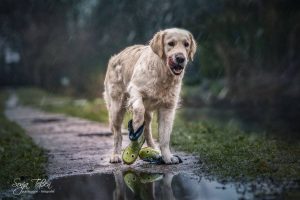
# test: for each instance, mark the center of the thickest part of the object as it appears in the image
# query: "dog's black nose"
(179, 58)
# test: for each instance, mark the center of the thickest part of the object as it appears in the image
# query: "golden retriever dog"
(144, 79)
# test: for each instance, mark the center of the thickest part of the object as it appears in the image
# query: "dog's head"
(176, 47)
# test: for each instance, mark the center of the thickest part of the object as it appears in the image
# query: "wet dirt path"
(77, 146)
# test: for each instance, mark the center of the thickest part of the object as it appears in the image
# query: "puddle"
(139, 185)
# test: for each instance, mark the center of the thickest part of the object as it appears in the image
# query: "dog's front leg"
(165, 124)
(138, 108)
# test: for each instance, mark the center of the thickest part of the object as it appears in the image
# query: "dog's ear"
(193, 47)
(157, 44)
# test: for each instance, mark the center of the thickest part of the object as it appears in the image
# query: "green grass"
(19, 156)
(89, 109)
(226, 151)
(231, 153)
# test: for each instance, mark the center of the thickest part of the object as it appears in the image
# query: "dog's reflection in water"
(141, 185)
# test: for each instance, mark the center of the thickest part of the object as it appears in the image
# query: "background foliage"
(247, 57)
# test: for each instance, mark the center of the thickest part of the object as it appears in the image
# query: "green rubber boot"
(153, 156)
(131, 152)
(132, 181)
(149, 154)
(150, 177)
(137, 183)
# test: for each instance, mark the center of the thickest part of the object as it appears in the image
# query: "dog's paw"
(115, 158)
(169, 160)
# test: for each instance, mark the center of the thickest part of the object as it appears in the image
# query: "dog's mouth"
(175, 68)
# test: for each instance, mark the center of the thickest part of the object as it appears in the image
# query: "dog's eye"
(186, 44)
(171, 44)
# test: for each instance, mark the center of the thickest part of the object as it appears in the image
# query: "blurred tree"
(252, 44)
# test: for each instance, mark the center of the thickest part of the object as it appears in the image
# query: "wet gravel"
(78, 146)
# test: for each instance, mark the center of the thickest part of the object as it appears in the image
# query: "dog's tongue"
(174, 65)
(171, 63)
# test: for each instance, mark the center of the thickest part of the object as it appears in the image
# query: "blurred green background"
(247, 60)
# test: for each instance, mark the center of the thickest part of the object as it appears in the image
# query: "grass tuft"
(231, 153)
(19, 156)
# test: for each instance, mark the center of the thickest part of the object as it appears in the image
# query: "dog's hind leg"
(116, 115)
(147, 131)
